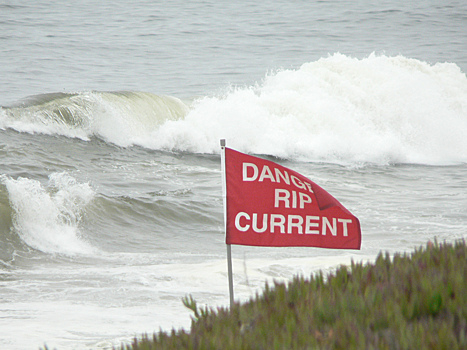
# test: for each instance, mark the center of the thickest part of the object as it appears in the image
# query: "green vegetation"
(408, 301)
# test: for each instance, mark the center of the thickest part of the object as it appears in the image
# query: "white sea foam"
(47, 217)
(379, 109)
(123, 299)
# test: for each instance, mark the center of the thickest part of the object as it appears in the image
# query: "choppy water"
(110, 181)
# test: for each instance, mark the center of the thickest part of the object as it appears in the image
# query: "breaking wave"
(117, 117)
(338, 109)
(44, 217)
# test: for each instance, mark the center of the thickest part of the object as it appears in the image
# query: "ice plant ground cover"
(405, 301)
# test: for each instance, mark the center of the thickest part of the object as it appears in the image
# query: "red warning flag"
(270, 205)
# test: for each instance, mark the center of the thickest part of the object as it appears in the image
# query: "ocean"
(110, 176)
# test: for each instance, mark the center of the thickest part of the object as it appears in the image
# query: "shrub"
(408, 301)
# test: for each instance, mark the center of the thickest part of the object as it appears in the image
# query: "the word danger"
(250, 172)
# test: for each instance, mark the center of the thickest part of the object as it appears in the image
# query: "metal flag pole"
(224, 199)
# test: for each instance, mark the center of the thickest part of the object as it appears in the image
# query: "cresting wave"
(44, 217)
(117, 117)
(338, 109)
